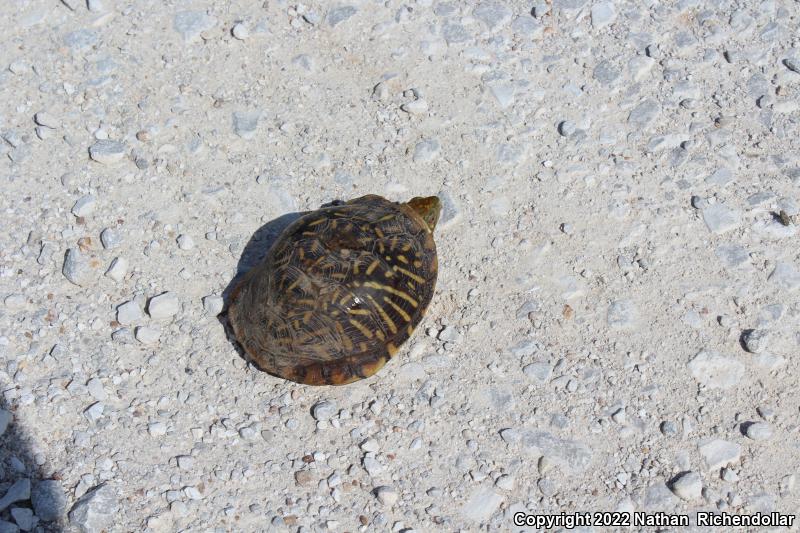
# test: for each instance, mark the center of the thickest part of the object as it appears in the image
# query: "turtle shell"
(338, 293)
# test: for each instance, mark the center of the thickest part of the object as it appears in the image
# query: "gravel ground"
(617, 319)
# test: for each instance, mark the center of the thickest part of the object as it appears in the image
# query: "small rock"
(758, 431)
(157, 429)
(110, 238)
(94, 412)
(785, 275)
(165, 305)
(340, 14)
(213, 304)
(76, 268)
(622, 314)
(96, 389)
(416, 107)
(84, 206)
(481, 505)
(792, 64)
(688, 486)
(23, 517)
(716, 371)
(118, 269)
(240, 31)
(15, 301)
(323, 410)
(107, 152)
(129, 312)
(388, 496)
(19, 491)
(96, 510)
(720, 219)
(185, 462)
(566, 128)
(540, 371)
(245, 123)
(755, 340)
(370, 445)
(49, 500)
(603, 14)
(372, 466)
(303, 478)
(147, 335)
(505, 482)
(47, 120)
(425, 151)
(5, 419)
(185, 242)
(718, 453)
(191, 24)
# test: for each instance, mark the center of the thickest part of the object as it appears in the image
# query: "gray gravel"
(616, 319)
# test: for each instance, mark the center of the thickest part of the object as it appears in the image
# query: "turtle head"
(428, 208)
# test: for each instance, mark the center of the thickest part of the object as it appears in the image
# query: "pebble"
(505, 482)
(324, 410)
(415, 107)
(240, 31)
(213, 304)
(94, 412)
(388, 496)
(493, 14)
(19, 491)
(567, 128)
(373, 467)
(5, 419)
(570, 454)
(245, 123)
(191, 24)
(720, 219)
(755, 340)
(455, 33)
(785, 275)
(14, 301)
(185, 242)
(688, 486)
(96, 510)
(147, 335)
(622, 314)
(118, 269)
(47, 120)
(165, 305)
(157, 429)
(792, 64)
(340, 14)
(110, 238)
(425, 151)
(758, 431)
(716, 371)
(718, 453)
(503, 93)
(541, 372)
(482, 504)
(84, 206)
(603, 14)
(23, 517)
(129, 312)
(77, 269)
(96, 389)
(107, 152)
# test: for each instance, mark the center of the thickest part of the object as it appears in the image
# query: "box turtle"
(340, 290)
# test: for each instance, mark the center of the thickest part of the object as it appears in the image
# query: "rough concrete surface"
(616, 324)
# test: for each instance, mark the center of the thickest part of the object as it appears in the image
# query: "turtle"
(340, 290)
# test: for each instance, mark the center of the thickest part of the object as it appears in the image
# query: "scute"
(338, 293)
